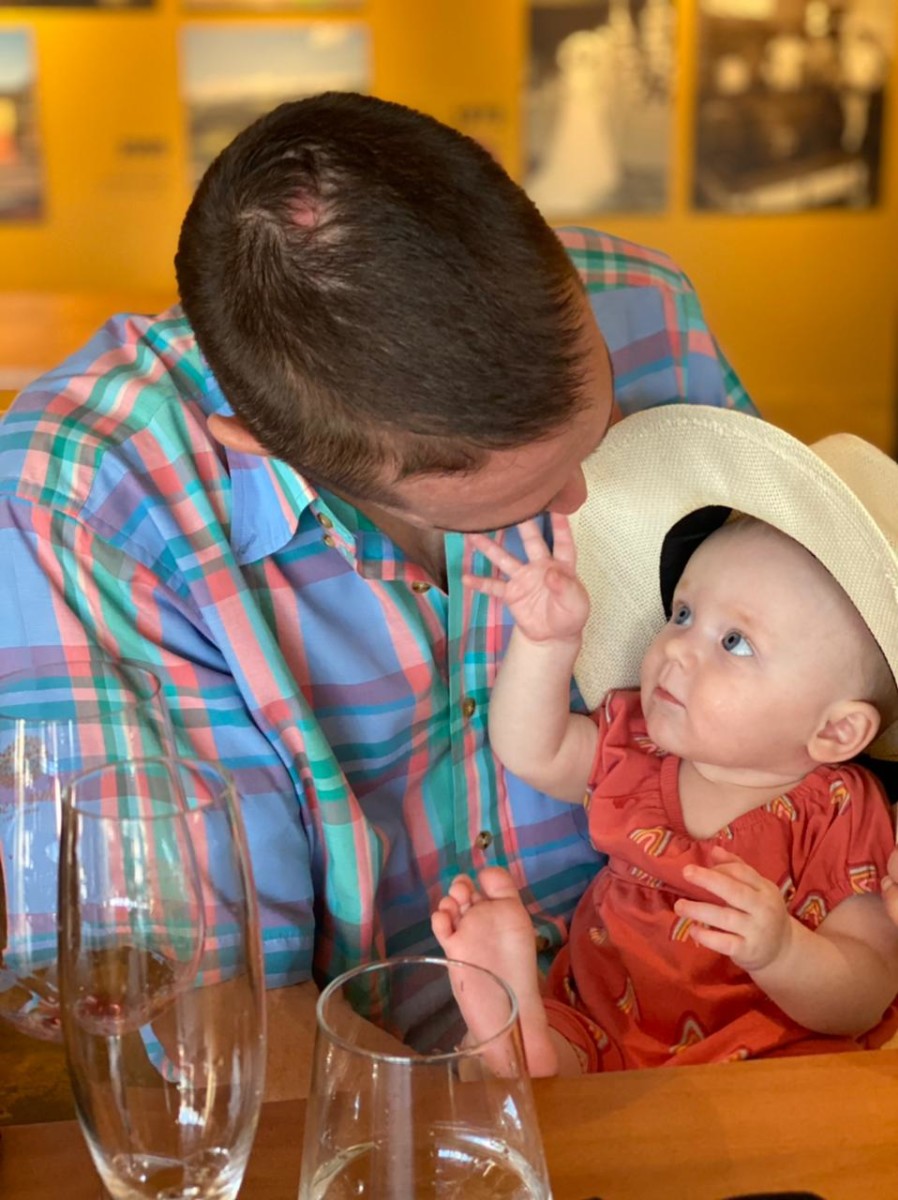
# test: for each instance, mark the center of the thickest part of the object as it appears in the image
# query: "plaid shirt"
(295, 643)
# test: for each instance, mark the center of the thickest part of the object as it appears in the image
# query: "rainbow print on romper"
(864, 878)
(644, 877)
(691, 1033)
(645, 743)
(679, 931)
(787, 888)
(813, 912)
(839, 795)
(627, 1002)
(653, 840)
(782, 807)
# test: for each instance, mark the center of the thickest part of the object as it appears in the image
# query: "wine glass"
(405, 1102)
(56, 719)
(161, 984)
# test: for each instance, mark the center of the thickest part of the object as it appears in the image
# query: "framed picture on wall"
(21, 182)
(297, 6)
(598, 106)
(791, 96)
(111, 5)
(231, 74)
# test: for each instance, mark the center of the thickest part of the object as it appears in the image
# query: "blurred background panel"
(108, 111)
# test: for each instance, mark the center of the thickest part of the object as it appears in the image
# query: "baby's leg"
(491, 928)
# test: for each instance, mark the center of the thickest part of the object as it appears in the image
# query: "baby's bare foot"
(490, 927)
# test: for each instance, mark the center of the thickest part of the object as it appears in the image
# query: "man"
(265, 496)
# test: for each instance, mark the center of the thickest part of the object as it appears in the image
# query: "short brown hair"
(375, 296)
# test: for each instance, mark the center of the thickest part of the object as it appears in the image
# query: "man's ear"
(231, 432)
(848, 727)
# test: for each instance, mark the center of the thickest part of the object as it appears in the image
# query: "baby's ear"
(848, 727)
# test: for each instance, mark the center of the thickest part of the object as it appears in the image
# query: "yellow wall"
(806, 306)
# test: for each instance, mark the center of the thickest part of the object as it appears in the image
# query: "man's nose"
(571, 496)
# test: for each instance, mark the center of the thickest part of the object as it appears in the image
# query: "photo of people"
(21, 185)
(598, 106)
(231, 74)
(791, 99)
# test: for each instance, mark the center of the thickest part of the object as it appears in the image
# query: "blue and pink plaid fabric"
(295, 644)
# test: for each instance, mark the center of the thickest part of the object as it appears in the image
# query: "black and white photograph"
(231, 74)
(791, 97)
(598, 106)
(21, 184)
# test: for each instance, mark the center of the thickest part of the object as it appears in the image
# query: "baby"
(738, 914)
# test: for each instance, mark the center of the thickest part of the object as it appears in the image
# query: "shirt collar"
(268, 498)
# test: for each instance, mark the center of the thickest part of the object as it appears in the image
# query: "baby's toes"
(449, 905)
(463, 892)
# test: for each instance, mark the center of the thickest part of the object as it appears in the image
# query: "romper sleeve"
(623, 751)
(842, 848)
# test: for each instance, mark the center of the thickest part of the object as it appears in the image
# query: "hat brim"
(838, 499)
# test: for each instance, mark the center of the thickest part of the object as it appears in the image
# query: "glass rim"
(193, 764)
(418, 960)
(122, 666)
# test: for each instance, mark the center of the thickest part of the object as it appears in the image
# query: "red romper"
(631, 989)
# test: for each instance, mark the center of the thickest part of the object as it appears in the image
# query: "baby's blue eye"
(734, 643)
(681, 614)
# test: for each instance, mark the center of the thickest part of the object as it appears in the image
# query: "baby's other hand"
(751, 924)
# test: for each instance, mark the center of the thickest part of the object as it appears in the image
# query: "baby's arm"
(841, 978)
(838, 979)
(532, 730)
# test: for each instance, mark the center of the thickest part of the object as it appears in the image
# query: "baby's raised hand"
(543, 594)
(752, 926)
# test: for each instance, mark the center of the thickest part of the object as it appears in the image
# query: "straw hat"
(838, 498)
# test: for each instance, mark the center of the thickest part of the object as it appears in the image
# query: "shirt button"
(420, 586)
(468, 706)
(328, 540)
(324, 519)
(542, 944)
(484, 840)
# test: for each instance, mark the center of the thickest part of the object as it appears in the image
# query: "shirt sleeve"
(651, 319)
(842, 848)
(66, 593)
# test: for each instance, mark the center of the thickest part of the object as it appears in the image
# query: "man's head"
(765, 665)
(379, 301)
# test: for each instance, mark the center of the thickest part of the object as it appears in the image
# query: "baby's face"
(760, 642)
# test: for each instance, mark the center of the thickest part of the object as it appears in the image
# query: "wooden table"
(39, 329)
(826, 1124)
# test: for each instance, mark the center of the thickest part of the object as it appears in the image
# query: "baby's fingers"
(497, 555)
(533, 541)
(563, 548)
(712, 939)
(717, 916)
(729, 883)
(487, 585)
